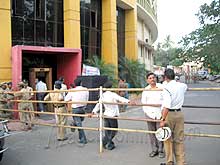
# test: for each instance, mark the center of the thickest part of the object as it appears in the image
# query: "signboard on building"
(90, 71)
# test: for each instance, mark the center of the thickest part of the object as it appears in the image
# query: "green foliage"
(166, 54)
(202, 45)
(133, 71)
(105, 69)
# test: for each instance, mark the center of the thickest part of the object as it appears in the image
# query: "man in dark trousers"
(81, 94)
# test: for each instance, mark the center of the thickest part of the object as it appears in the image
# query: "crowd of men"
(170, 97)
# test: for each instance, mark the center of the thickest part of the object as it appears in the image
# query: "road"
(28, 148)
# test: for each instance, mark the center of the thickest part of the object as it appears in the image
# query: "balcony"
(149, 15)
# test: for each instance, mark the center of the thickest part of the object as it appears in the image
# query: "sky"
(177, 18)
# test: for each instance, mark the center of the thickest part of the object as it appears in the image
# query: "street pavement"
(31, 147)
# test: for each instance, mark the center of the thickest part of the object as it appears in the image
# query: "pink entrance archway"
(68, 61)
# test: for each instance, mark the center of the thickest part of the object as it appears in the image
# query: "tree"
(133, 71)
(202, 45)
(166, 54)
(105, 69)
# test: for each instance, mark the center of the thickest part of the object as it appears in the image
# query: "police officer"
(58, 108)
(172, 116)
(30, 97)
(23, 94)
(3, 98)
(10, 96)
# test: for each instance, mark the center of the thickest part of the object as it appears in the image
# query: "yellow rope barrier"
(94, 102)
(113, 129)
(107, 117)
(109, 89)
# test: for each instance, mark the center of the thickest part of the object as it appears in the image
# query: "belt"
(79, 107)
(59, 106)
(174, 110)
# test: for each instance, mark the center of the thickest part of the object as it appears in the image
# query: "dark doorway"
(36, 60)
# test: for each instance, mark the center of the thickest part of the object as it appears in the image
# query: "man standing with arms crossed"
(153, 96)
(172, 116)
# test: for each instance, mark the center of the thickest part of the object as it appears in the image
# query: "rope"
(107, 117)
(109, 89)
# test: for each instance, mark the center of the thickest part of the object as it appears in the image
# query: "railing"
(146, 5)
(101, 116)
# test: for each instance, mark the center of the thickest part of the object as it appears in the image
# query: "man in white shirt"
(79, 108)
(111, 110)
(41, 86)
(173, 98)
(153, 96)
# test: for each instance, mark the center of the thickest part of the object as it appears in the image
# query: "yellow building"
(57, 34)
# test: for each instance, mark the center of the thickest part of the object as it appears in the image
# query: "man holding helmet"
(173, 98)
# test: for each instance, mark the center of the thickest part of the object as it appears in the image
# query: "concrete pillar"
(109, 33)
(131, 42)
(72, 24)
(6, 41)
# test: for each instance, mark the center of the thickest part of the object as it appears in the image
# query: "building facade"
(57, 34)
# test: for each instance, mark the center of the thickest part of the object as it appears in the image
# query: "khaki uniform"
(3, 101)
(175, 145)
(10, 105)
(58, 108)
(173, 98)
(31, 95)
(25, 117)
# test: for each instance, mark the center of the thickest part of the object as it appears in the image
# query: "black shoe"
(110, 146)
(162, 163)
(153, 154)
(63, 139)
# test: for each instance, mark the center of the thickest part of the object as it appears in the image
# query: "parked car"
(214, 78)
(202, 74)
(4, 132)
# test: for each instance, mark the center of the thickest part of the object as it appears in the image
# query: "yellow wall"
(109, 33)
(72, 24)
(5, 41)
(131, 42)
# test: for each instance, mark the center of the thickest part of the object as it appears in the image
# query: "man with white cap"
(153, 96)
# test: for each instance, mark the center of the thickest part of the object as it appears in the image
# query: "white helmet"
(162, 134)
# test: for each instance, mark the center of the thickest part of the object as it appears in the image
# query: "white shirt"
(78, 96)
(41, 86)
(173, 95)
(63, 87)
(152, 97)
(111, 110)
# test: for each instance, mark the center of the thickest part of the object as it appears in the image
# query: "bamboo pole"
(100, 121)
(99, 116)
(109, 89)
(114, 129)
